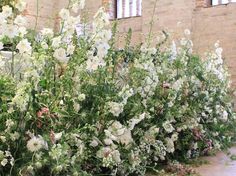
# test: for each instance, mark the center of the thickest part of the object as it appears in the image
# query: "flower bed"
(78, 106)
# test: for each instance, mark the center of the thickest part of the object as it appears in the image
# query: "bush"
(81, 107)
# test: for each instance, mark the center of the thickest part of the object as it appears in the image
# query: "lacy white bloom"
(70, 50)
(108, 141)
(34, 144)
(170, 147)
(75, 7)
(60, 54)
(44, 45)
(94, 63)
(6, 11)
(47, 32)
(116, 128)
(64, 14)
(115, 108)
(20, 20)
(24, 46)
(135, 121)
(173, 51)
(22, 31)
(224, 116)
(9, 123)
(178, 84)
(20, 5)
(116, 156)
(94, 143)
(81, 97)
(126, 138)
(56, 42)
(168, 127)
(4, 162)
(2, 19)
(81, 4)
(1, 46)
(10, 30)
(187, 32)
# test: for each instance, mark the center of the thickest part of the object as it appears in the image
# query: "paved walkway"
(219, 165)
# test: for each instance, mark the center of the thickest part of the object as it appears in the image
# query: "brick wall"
(208, 24)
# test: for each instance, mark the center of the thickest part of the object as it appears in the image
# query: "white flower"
(64, 14)
(47, 32)
(44, 45)
(56, 42)
(20, 5)
(116, 156)
(115, 108)
(57, 136)
(14, 136)
(70, 50)
(75, 7)
(10, 30)
(94, 143)
(170, 146)
(173, 51)
(22, 30)
(34, 144)
(76, 107)
(224, 116)
(2, 19)
(4, 162)
(126, 138)
(24, 46)
(3, 139)
(60, 54)
(20, 20)
(178, 84)
(94, 63)
(183, 41)
(174, 136)
(219, 51)
(217, 44)
(6, 11)
(81, 4)
(168, 127)
(104, 152)
(81, 97)
(187, 32)
(108, 141)
(9, 123)
(1, 46)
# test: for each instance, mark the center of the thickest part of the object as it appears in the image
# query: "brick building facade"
(208, 23)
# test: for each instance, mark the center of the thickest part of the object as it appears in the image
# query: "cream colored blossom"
(56, 42)
(70, 49)
(10, 30)
(168, 127)
(24, 46)
(60, 54)
(20, 20)
(7, 11)
(4, 162)
(47, 32)
(20, 5)
(94, 63)
(64, 14)
(115, 108)
(36, 143)
(1, 46)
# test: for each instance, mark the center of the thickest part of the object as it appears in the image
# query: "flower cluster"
(74, 105)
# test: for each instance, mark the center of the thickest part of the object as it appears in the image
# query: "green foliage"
(80, 106)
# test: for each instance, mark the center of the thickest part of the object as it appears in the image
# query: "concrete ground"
(219, 165)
